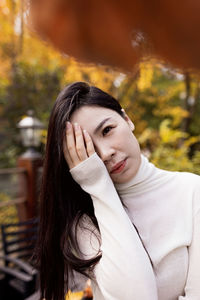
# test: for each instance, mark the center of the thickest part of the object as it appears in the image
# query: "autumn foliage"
(163, 103)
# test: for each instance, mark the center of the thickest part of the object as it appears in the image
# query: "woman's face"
(113, 140)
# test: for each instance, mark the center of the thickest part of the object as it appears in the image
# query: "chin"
(129, 175)
(123, 178)
(129, 172)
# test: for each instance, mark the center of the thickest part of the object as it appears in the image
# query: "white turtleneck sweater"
(163, 261)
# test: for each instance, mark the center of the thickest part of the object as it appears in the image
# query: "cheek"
(130, 143)
(127, 137)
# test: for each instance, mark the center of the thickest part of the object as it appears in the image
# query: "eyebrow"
(100, 125)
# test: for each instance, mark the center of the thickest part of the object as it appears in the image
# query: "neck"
(148, 177)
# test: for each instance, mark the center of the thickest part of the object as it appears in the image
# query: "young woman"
(110, 214)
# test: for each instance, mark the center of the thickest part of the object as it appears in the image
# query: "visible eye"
(106, 130)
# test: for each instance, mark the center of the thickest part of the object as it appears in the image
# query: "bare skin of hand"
(77, 145)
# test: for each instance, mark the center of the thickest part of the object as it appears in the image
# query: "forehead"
(92, 114)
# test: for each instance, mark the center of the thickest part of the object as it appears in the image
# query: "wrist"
(89, 171)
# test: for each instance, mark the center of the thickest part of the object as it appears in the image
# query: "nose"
(105, 152)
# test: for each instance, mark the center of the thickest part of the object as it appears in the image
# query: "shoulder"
(179, 180)
(189, 178)
(182, 177)
(190, 184)
(182, 185)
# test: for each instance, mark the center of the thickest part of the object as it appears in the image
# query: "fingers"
(89, 143)
(79, 141)
(66, 153)
(77, 145)
(71, 145)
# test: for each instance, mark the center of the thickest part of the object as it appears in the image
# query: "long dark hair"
(62, 201)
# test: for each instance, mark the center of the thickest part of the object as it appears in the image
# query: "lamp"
(30, 128)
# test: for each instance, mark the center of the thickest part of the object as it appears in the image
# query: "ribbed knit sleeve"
(124, 271)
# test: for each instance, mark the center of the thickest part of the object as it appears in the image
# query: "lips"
(118, 167)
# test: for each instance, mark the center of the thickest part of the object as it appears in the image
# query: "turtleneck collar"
(147, 176)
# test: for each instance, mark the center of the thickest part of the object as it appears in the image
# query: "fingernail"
(85, 132)
(68, 125)
(76, 126)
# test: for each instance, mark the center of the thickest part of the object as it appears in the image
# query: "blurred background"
(163, 103)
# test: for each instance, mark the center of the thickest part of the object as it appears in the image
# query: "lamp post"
(30, 129)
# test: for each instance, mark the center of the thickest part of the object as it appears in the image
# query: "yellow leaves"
(169, 135)
(95, 75)
(4, 8)
(148, 134)
(4, 70)
(191, 140)
(176, 112)
(4, 197)
(43, 134)
(39, 53)
(173, 148)
(8, 213)
(166, 157)
(73, 72)
(74, 296)
(175, 89)
(146, 76)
